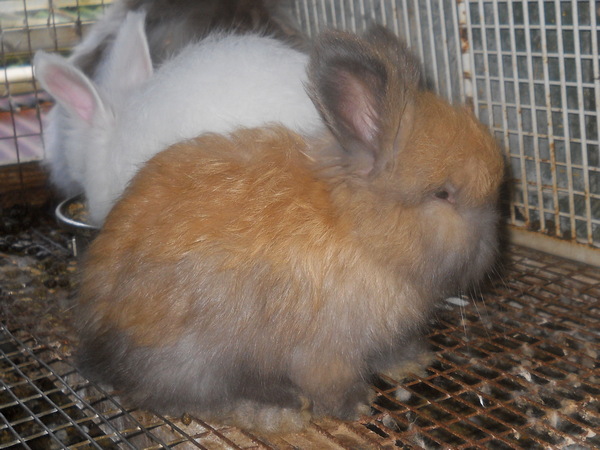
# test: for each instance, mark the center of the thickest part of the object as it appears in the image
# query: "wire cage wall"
(520, 371)
(530, 70)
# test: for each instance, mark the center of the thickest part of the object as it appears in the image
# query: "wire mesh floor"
(519, 368)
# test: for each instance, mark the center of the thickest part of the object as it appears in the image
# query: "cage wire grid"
(517, 369)
(530, 70)
(25, 27)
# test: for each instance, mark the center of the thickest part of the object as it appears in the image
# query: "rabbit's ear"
(128, 63)
(68, 85)
(364, 88)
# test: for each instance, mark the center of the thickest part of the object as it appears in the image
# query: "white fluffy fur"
(57, 126)
(221, 83)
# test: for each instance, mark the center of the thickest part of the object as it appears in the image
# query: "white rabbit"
(170, 26)
(129, 113)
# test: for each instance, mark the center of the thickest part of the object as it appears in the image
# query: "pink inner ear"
(69, 89)
(357, 107)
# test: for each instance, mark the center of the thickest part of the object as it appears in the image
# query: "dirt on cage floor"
(519, 368)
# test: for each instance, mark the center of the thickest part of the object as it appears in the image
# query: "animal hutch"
(517, 365)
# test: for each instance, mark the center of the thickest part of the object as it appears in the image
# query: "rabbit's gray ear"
(68, 86)
(364, 89)
(128, 62)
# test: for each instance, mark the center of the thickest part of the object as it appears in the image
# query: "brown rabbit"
(272, 274)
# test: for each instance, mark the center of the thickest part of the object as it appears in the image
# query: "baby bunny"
(116, 123)
(263, 276)
(170, 25)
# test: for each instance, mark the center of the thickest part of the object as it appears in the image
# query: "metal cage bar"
(530, 69)
(518, 371)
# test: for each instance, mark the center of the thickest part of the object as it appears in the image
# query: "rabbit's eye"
(447, 194)
(442, 194)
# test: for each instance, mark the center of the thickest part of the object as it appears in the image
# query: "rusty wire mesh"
(518, 368)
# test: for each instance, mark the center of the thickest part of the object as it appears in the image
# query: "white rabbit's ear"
(364, 89)
(68, 85)
(128, 63)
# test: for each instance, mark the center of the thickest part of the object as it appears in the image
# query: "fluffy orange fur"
(200, 200)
